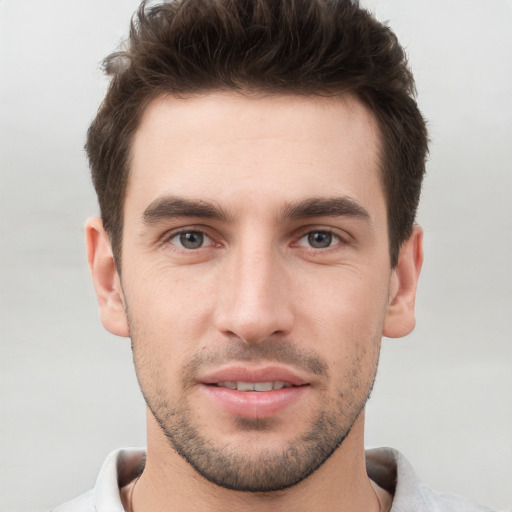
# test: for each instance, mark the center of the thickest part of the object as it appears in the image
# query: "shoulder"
(83, 503)
(392, 471)
(442, 502)
(119, 468)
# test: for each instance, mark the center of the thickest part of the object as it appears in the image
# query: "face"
(256, 279)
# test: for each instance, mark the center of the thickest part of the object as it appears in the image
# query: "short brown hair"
(304, 47)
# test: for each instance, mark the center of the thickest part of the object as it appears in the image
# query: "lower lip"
(254, 404)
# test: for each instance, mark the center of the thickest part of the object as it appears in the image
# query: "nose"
(254, 300)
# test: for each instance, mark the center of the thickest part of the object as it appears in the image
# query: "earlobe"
(400, 318)
(105, 278)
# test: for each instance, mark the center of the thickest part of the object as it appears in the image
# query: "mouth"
(254, 393)
(257, 378)
(254, 386)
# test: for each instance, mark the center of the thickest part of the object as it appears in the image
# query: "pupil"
(191, 240)
(320, 239)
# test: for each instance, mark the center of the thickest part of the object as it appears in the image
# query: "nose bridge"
(254, 303)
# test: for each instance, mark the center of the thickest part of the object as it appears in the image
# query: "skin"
(258, 290)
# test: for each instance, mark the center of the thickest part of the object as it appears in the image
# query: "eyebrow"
(169, 207)
(326, 207)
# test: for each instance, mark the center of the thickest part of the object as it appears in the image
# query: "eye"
(320, 239)
(190, 239)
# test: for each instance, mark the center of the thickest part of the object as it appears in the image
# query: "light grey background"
(68, 392)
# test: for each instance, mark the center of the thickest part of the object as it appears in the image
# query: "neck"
(170, 484)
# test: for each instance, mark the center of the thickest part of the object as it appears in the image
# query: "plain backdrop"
(68, 391)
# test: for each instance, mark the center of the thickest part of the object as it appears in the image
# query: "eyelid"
(342, 235)
(168, 236)
(206, 240)
(337, 239)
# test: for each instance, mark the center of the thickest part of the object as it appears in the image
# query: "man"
(258, 167)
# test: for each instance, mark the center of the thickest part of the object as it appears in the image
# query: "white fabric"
(385, 466)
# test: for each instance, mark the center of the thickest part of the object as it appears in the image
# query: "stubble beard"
(232, 467)
(269, 471)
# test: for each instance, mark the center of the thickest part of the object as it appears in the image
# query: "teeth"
(263, 386)
(229, 385)
(255, 386)
(244, 386)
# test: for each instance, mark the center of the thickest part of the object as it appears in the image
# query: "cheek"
(170, 300)
(343, 315)
(167, 321)
(350, 300)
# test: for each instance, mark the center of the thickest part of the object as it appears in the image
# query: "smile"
(254, 386)
(252, 392)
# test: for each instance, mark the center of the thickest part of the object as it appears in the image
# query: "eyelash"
(334, 241)
(168, 239)
(335, 238)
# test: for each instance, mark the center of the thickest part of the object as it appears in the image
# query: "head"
(307, 48)
(258, 167)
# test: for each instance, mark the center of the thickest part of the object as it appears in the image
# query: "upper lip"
(240, 373)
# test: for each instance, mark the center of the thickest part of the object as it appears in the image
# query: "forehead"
(255, 151)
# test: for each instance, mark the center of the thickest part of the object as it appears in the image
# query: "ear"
(105, 278)
(400, 319)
